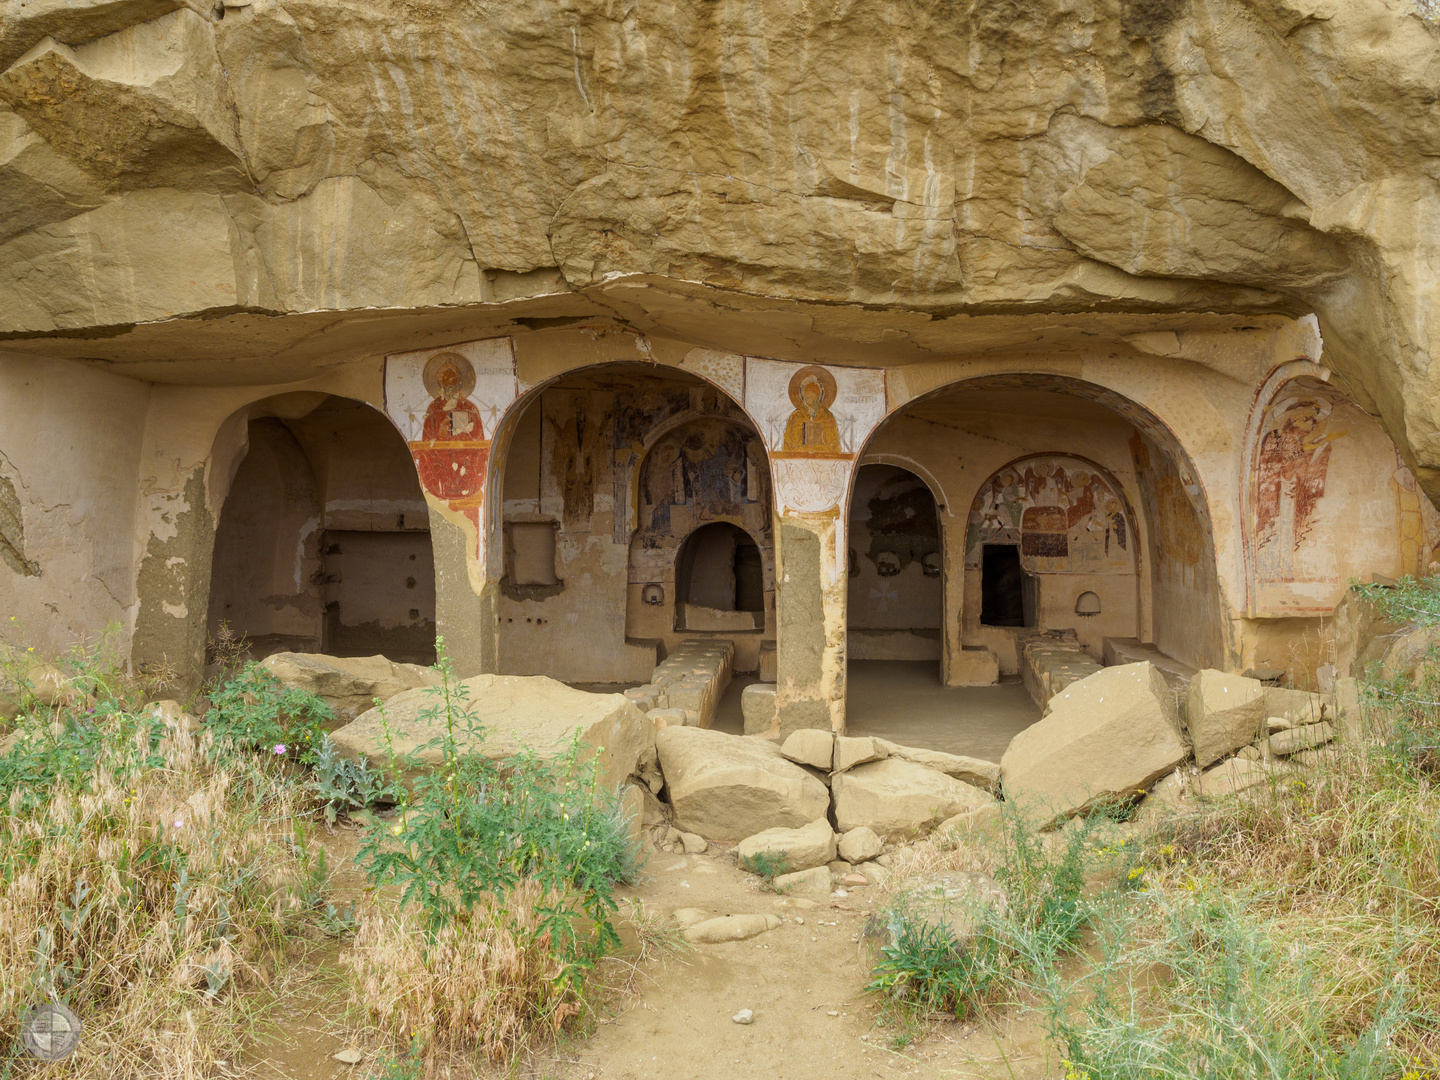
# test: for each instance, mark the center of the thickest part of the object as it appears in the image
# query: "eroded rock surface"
(159, 161)
(349, 684)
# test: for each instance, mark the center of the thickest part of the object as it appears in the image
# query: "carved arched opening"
(606, 471)
(323, 540)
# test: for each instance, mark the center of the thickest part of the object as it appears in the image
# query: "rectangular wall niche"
(532, 553)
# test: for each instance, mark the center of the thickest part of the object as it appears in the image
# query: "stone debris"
(349, 1056)
(693, 843)
(854, 881)
(977, 771)
(850, 752)
(897, 799)
(744, 1016)
(172, 712)
(1297, 706)
(1296, 739)
(1107, 737)
(669, 718)
(810, 746)
(689, 916)
(814, 883)
(728, 787)
(514, 712)
(1233, 776)
(860, 845)
(796, 849)
(1223, 713)
(729, 928)
(348, 684)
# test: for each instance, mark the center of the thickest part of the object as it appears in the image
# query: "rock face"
(515, 711)
(154, 136)
(797, 849)
(1223, 713)
(1108, 736)
(349, 684)
(897, 799)
(728, 787)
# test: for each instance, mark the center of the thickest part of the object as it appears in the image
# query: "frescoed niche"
(447, 403)
(814, 420)
(708, 469)
(1328, 499)
(1064, 514)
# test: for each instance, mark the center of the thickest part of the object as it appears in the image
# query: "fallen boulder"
(792, 849)
(513, 712)
(814, 883)
(1294, 740)
(898, 799)
(728, 787)
(757, 707)
(1106, 738)
(851, 751)
(860, 845)
(983, 774)
(810, 746)
(1223, 713)
(729, 928)
(348, 684)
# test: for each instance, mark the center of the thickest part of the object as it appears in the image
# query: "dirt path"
(803, 982)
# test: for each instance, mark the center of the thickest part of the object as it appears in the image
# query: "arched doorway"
(636, 512)
(895, 591)
(719, 570)
(323, 541)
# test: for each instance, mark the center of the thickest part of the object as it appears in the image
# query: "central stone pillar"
(810, 615)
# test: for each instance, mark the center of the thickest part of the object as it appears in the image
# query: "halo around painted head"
(821, 377)
(448, 374)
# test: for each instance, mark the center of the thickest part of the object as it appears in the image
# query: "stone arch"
(1177, 567)
(569, 463)
(322, 535)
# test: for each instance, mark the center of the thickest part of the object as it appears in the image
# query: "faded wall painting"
(1064, 514)
(447, 403)
(1328, 499)
(704, 471)
(814, 420)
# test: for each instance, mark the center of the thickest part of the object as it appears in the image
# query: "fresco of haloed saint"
(1291, 470)
(446, 403)
(1063, 514)
(814, 420)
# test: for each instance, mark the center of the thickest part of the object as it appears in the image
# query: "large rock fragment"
(794, 849)
(349, 684)
(729, 928)
(149, 98)
(1223, 713)
(513, 712)
(810, 746)
(1107, 737)
(897, 798)
(972, 770)
(728, 787)
(1305, 737)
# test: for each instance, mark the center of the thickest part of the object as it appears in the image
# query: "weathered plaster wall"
(70, 445)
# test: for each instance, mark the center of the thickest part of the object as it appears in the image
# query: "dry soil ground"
(803, 981)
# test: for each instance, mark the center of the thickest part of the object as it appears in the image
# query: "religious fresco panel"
(1064, 514)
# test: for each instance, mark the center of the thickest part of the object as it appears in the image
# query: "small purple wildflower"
(279, 748)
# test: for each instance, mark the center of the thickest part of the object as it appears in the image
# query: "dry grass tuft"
(147, 886)
(488, 981)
